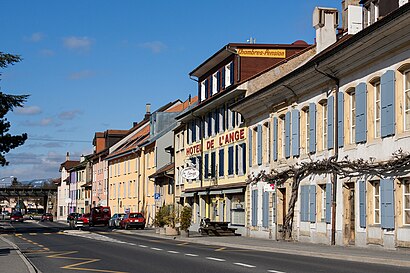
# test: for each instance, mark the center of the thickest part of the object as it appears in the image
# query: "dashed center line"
(215, 259)
(276, 271)
(244, 265)
(143, 246)
(191, 255)
(155, 248)
(172, 251)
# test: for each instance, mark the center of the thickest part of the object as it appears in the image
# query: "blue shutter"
(206, 88)
(236, 159)
(361, 109)
(199, 166)
(304, 203)
(211, 85)
(206, 166)
(275, 138)
(387, 203)
(312, 203)
(295, 132)
(218, 81)
(254, 207)
(340, 118)
(221, 162)
(259, 151)
(265, 214)
(232, 72)
(312, 128)
(387, 84)
(330, 122)
(230, 160)
(223, 77)
(287, 135)
(328, 202)
(362, 203)
(193, 125)
(217, 121)
(250, 146)
(209, 124)
(243, 145)
(223, 125)
(213, 163)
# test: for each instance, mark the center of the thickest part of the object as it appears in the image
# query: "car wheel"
(142, 227)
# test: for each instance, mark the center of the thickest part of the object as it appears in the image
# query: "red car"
(16, 216)
(47, 217)
(85, 218)
(99, 216)
(133, 220)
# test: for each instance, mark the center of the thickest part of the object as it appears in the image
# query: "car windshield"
(136, 215)
(17, 213)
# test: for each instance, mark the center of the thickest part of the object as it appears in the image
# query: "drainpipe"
(336, 149)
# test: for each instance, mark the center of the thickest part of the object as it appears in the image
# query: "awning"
(216, 192)
(188, 194)
(202, 193)
(233, 190)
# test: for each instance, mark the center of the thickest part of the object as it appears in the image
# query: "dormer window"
(229, 74)
(215, 83)
(203, 88)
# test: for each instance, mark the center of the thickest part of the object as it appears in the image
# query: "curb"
(344, 257)
(30, 266)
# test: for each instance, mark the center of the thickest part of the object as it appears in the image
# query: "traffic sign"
(157, 196)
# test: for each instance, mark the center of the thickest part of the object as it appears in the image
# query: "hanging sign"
(190, 173)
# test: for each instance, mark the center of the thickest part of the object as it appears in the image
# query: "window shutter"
(211, 85)
(223, 122)
(328, 202)
(312, 203)
(199, 166)
(209, 124)
(304, 203)
(340, 118)
(295, 132)
(362, 203)
(221, 162)
(265, 219)
(254, 207)
(330, 120)
(230, 160)
(216, 121)
(275, 138)
(193, 130)
(387, 203)
(387, 84)
(232, 72)
(213, 164)
(206, 88)
(287, 135)
(218, 81)
(223, 77)
(361, 109)
(243, 158)
(259, 143)
(206, 166)
(250, 146)
(312, 128)
(236, 159)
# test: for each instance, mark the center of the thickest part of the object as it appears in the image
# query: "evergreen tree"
(8, 103)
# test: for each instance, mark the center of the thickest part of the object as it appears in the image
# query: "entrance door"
(350, 221)
(281, 211)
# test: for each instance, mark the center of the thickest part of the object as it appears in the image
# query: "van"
(100, 216)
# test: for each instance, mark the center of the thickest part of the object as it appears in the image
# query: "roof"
(69, 164)
(163, 170)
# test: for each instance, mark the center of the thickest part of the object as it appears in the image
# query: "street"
(51, 247)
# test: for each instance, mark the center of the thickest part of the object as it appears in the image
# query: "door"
(349, 218)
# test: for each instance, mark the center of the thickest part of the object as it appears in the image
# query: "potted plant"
(161, 219)
(185, 220)
(171, 220)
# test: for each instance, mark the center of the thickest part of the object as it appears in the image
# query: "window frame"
(406, 184)
(376, 186)
(377, 102)
(406, 73)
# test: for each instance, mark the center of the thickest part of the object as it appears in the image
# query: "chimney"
(345, 11)
(325, 21)
(82, 158)
(147, 111)
(67, 156)
(135, 123)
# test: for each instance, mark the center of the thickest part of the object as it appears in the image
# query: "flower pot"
(170, 231)
(185, 233)
(162, 231)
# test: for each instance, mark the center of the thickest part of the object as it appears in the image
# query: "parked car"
(100, 216)
(47, 217)
(85, 218)
(16, 216)
(133, 220)
(72, 216)
(115, 220)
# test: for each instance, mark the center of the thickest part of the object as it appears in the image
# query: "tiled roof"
(69, 164)
(164, 169)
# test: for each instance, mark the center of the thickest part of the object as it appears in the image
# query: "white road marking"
(132, 244)
(155, 248)
(191, 255)
(143, 246)
(275, 271)
(215, 259)
(173, 252)
(244, 265)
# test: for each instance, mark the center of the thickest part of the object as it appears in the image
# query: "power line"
(58, 140)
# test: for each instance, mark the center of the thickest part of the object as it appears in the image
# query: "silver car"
(115, 220)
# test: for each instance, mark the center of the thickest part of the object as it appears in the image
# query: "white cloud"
(77, 43)
(155, 47)
(41, 123)
(69, 115)
(47, 52)
(36, 37)
(28, 110)
(84, 74)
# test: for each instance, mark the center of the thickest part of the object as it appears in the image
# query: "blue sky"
(93, 65)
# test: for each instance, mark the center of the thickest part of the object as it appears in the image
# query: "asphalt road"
(52, 249)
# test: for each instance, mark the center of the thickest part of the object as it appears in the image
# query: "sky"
(92, 65)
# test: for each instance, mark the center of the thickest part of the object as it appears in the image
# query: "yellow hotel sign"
(266, 53)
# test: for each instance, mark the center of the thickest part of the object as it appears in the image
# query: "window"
(267, 144)
(323, 205)
(213, 164)
(407, 100)
(221, 117)
(406, 202)
(215, 82)
(376, 201)
(228, 75)
(240, 164)
(230, 160)
(283, 136)
(324, 125)
(352, 106)
(307, 119)
(377, 109)
(221, 162)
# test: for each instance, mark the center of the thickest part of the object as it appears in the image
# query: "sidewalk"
(400, 257)
(12, 260)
